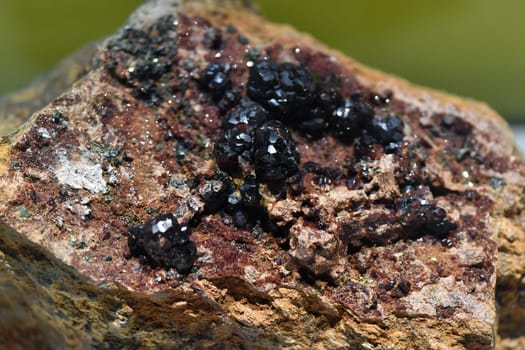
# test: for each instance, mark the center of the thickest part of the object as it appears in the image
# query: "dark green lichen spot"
(23, 213)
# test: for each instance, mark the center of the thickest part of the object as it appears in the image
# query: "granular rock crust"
(329, 205)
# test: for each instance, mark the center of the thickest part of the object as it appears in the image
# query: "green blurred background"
(472, 48)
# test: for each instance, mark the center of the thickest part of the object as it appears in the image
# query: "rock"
(48, 305)
(17, 107)
(365, 213)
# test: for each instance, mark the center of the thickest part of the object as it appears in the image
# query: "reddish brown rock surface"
(371, 241)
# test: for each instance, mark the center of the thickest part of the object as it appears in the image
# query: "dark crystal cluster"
(275, 154)
(384, 131)
(348, 119)
(215, 79)
(419, 213)
(252, 140)
(256, 145)
(245, 205)
(311, 105)
(233, 150)
(283, 89)
(412, 215)
(282, 96)
(257, 138)
(164, 242)
(215, 191)
(143, 59)
(242, 201)
(249, 190)
(248, 115)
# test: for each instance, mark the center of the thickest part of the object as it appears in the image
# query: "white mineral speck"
(42, 132)
(80, 175)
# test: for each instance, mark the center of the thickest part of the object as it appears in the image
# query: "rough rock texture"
(17, 107)
(48, 305)
(331, 206)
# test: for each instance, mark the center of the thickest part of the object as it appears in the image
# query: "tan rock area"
(213, 180)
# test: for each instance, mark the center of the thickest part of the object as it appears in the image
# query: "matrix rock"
(330, 206)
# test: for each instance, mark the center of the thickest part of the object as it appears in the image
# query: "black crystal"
(283, 89)
(229, 100)
(215, 79)
(234, 203)
(233, 149)
(275, 153)
(386, 129)
(437, 222)
(143, 59)
(419, 213)
(326, 100)
(240, 220)
(164, 242)
(212, 39)
(247, 114)
(251, 197)
(348, 119)
(215, 191)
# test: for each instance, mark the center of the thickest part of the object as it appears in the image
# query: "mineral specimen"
(330, 206)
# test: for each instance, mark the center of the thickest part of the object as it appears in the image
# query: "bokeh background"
(473, 48)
